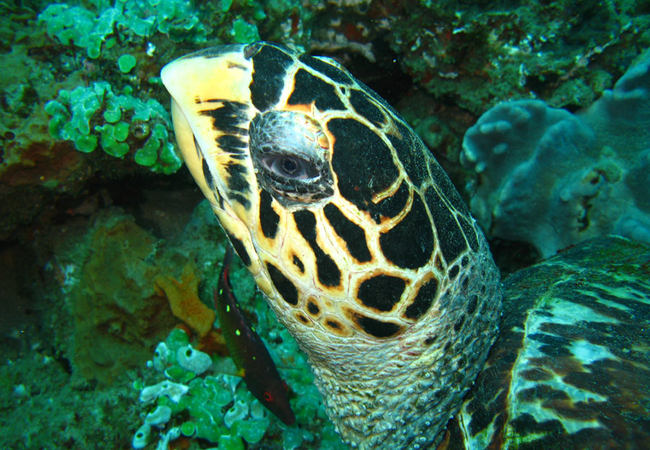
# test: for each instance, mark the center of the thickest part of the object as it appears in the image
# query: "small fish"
(247, 350)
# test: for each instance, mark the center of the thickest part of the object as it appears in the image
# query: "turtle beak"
(214, 73)
(199, 84)
(211, 112)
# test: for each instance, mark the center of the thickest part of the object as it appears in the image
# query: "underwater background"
(109, 255)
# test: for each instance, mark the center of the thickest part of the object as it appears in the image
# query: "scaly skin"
(358, 239)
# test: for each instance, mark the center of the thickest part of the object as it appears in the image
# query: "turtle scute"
(571, 366)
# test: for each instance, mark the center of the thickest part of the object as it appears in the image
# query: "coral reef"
(552, 179)
(466, 57)
(125, 290)
(46, 411)
(83, 28)
(120, 123)
(478, 56)
(94, 206)
(202, 401)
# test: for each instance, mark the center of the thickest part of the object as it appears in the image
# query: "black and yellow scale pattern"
(352, 230)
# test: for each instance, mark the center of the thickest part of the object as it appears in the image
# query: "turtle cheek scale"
(350, 228)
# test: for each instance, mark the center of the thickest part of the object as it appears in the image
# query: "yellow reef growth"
(184, 299)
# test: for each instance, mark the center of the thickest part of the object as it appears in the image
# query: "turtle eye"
(289, 166)
(290, 153)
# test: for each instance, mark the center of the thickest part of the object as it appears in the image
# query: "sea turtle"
(351, 229)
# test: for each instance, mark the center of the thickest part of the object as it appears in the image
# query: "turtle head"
(295, 157)
(356, 236)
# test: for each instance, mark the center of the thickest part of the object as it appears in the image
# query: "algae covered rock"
(117, 316)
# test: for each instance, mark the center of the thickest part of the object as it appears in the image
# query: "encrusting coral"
(184, 300)
(117, 317)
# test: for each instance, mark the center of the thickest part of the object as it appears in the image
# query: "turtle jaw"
(191, 78)
(199, 107)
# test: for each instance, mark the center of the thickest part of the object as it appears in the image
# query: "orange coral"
(184, 299)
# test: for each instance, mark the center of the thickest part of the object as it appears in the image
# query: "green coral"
(95, 115)
(78, 26)
(219, 408)
(126, 63)
(176, 19)
(113, 139)
(244, 32)
(83, 28)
